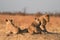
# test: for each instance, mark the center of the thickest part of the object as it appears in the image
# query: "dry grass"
(53, 26)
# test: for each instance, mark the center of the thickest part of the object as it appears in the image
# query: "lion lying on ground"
(10, 28)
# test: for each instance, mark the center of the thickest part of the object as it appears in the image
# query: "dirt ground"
(53, 27)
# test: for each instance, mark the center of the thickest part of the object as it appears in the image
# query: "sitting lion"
(32, 27)
(43, 20)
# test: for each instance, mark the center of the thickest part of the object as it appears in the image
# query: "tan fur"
(32, 28)
(24, 26)
(10, 28)
(44, 20)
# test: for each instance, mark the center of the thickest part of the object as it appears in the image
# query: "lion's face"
(36, 22)
(8, 21)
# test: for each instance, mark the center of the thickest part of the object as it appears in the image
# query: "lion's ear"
(6, 20)
(35, 18)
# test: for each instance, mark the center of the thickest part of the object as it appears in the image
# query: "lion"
(43, 20)
(10, 28)
(32, 27)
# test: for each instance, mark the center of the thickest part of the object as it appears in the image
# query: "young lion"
(43, 20)
(33, 28)
(10, 28)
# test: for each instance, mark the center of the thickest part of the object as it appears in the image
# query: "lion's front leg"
(30, 31)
